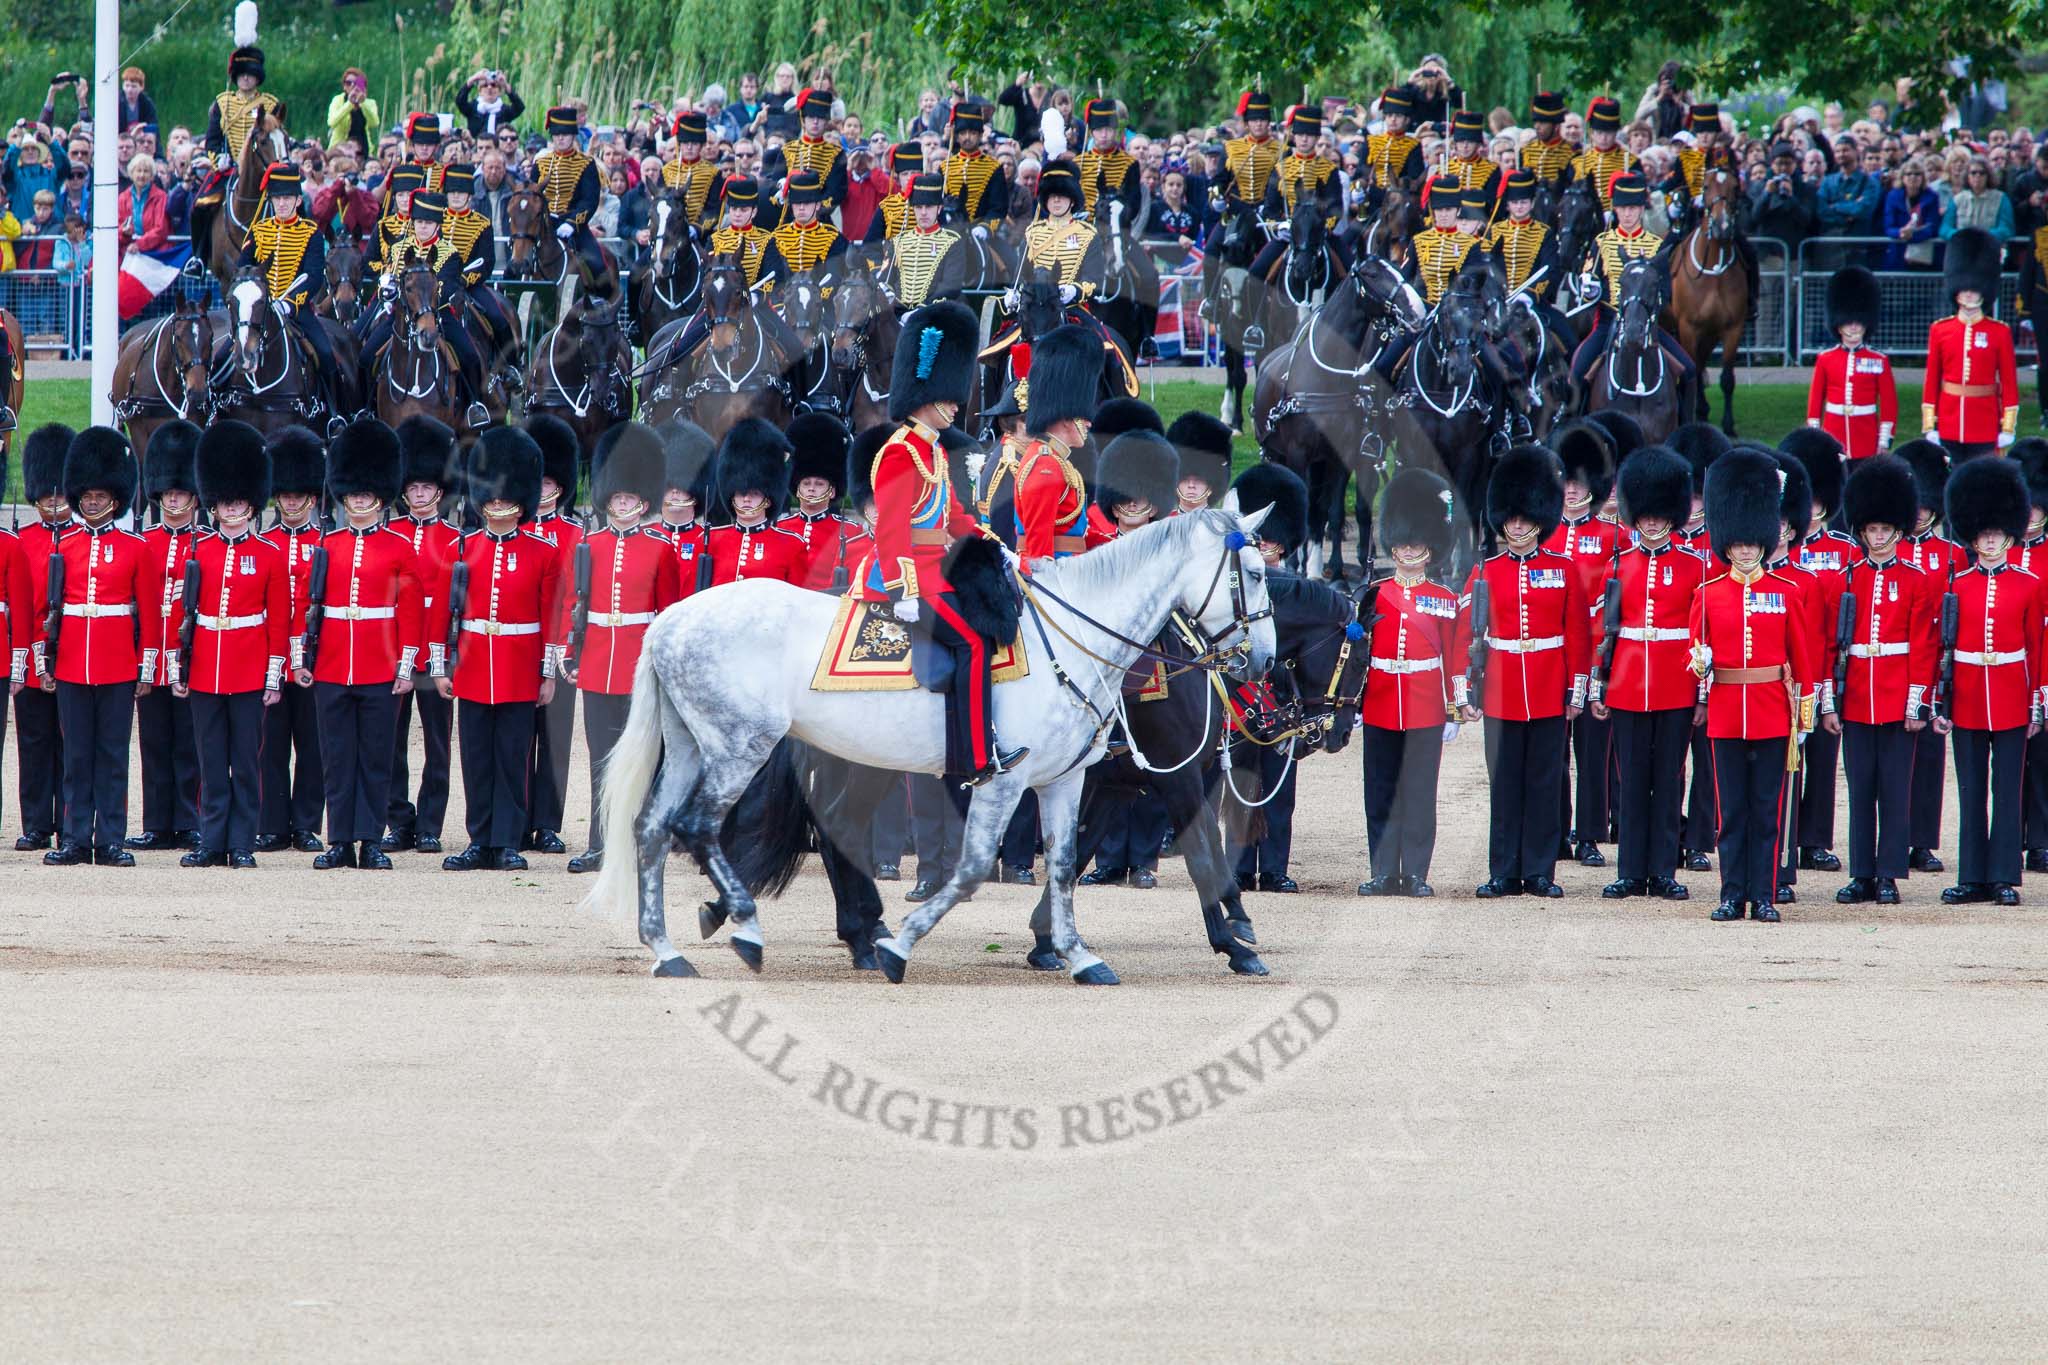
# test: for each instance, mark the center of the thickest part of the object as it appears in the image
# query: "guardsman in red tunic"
(1537, 655)
(1928, 550)
(294, 791)
(1416, 635)
(362, 658)
(1886, 677)
(1853, 397)
(1590, 543)
(817, 476)
(1828, 555)
(1642, 685)
(686, 451)
(751, 472)
(1700, 443)
(427, 451)
(555, 728)
(163, 719)
(625, 577)
(240, 633)
(1995, 703)
(20, 627)
(505, 645)
(1815, 611)
(1972, 399)
(102, 661)
(38, 741)
(1751, 652)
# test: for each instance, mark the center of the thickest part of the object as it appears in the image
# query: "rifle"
(316, 607)
(53, 624)
(458, 602)
(1475, 672)
(1610, 633)
(704, 566)
(1845, 636)
(580, 619)
(1945, 677)
(841, 581)
(188, 627)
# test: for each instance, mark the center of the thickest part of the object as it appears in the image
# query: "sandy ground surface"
(421, 1115)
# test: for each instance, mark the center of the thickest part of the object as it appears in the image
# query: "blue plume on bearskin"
(935, 362)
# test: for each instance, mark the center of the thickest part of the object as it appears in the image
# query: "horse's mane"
(1128, 555)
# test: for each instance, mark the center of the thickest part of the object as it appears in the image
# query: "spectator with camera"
(1781, 201)
(488, 102)
(352, 114)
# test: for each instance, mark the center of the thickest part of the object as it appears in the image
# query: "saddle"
(869, 650)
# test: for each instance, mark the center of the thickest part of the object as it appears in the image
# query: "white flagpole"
(106, 180)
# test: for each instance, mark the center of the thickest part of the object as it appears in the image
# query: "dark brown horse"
(579, 372)
(270, 379)
(1635, 374)
(665, 286)
(534, 255)
(1710, 292)
(162, 372)
(226, 229)
(344, 275)
(865, 333)
(418, 373)
(736, 372)
(13, 375)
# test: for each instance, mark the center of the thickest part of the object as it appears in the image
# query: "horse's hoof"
(676, 966)
(1241, 930)
(1044, 957)
(864, 959)
(749, 950)
(1244, 961)
(894, 964)
(709, 917)
(1097, 975)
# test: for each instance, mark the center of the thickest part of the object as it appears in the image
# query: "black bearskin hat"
(686, 450)
(1622, 430)
(1656, 481)
(860, 465)
(170, 460)
(1526, 482)
(1972, 263)
(298, 462)
(1699, 444)
(101, 458)
(1881, 491)
(1120, 415)
(42, 460)
(2031, 454)
(1203, 443)
(1138, 466)
(1821, 456)
(1587, 453)
(1742, 500)
(820, 441)
(1853, 296)
(1280, 488)
(427, 448)
(1066, 368)
(935, 359)
(561, 451)
(1987, 495)
(1929, 464)
(1419, 509)
(754, 457)
(365, 458)
(1796, 506)
(628, 459)
(505, 463)
(231, 464)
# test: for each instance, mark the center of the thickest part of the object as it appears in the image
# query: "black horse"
(804, 301)
(664, 286)
(1579, 222)
(1128, 302)
(1636, 374)
(1446, 413)
(1039, 311)
(865, 331)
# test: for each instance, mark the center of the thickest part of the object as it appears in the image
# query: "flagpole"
(106, 241)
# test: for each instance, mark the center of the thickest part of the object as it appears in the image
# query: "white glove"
(2005, 438)
(981, 232)
(1010, 300)
(388, 289)
(565, 231)
(283, 307)
(1068, 293)
(1450, 731)
(905, 610)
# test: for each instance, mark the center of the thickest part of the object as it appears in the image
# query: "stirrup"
(999, 763)
(512, 379)
(1255, 338)
(7, 418)
(477, 416)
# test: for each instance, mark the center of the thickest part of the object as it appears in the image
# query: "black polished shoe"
(1247, 882)
(1005, 760)
(925, 889)
(1923, 860)
(1965, 893)
(888, 872)
(1589, 855)
(201, 858)
(1418, 888)
(1692, 860)
(1016, 876)
(2037, 860)
(185, 838)
(1542, 886)
(1622, 888)
(398, 840)
(1787, 895)
(112, 857)
(30, 843)
(1887, 891)
(1859, 891)
(510, 861)
(268, 843)
(1144, 878)
(2005, 895)
(67, 855)
(1726, 911)
(1380, 886)
(306, 841)
(427, 843)
(1105, 876)
(547, 841)
(1819, 859)
(469, 860)
(1498, 887)
(241, 859)
(590, 860)
(1765, 913)
(1285, 886)
(341, 855)
(150, 841)
(372, 858)
(1669, 889)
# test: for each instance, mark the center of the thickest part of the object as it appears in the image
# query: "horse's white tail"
(628, 774)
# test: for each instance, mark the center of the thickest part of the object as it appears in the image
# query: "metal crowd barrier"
(1913, 299)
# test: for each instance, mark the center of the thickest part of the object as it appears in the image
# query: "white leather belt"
(1852, 409)
(1991, 660)
(1648, 633)
(231, 622)
(92, 609)
(1533, 646)
(501, 627)
(355, 613)
(1407, 665)
(615, 619)
(1883, 651)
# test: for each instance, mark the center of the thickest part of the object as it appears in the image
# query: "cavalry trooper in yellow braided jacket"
(811, 153)
(747, 243)
(1393, 157)
(805, 240)
(1106, 168)
(1439, 250)
(925, 262)
(1604, 157)
(396, 224)
(1547, 156)
(1468, 161)
(892, 214)
(476, 249)
(229, 120)
(426, 244)
(1710, 155)
(1302, 172)
(1241, 188)
(1526, 247)
(423, 150)
(568, 180)
(698, 179)
(1614, 251)
(292, 256)
(1069, 252)
(977, 195)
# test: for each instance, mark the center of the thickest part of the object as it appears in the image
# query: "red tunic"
(758, 551)
(634, 576)
(1419, 647)
(828, 539)
(298, 543)
(1892, 659)
(1051, 502)
(688, 544)
(373, 618)
(244, 617)
(1819, 596)
(38, 543)
(108, 575)
(1753, 624)
(1941, 557)
(1998, 677)
(1854, 399)
(1972, 385)
(916, 517)
(22, 627)
(1649, 671)
(433, 544)
(171, 549)
(2031, 555)
(1538, 637)
(564, 533)
(1590, 544)
(509, 641)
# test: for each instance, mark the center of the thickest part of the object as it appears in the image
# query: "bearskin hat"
(1526, 482)
(1120, 415)
(1280, 488)
(1821, 456)
(1853, 296)
(860, 463)
(1881, 491)
(1138, 466)
(1929, 464)
(1796, 506)
(1972, 263)
(820, 441)
(753, 457)
(1419, 509)
(100, 457)
(1743, 500)
(246, 60)
(628, 459)
(231, 464)
(1656, 481)
(428, 449)
(935, 360)
(298, 462)
(1587, 453)
(505, 463)
(1699, 444)
(42, 460)
(1623, 431)
(561, 451)
(365, 458)
(686, 450)
(1987, 495)
(170, 460)
(1203, 443)
(1066, 367)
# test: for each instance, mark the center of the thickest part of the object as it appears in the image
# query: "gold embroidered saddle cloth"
(869, 650)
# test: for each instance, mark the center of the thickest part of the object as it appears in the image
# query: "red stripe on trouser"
(977, 648)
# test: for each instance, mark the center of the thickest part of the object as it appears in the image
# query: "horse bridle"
(1215, 656)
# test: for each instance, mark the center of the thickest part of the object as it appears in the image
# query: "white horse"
(726, 674)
